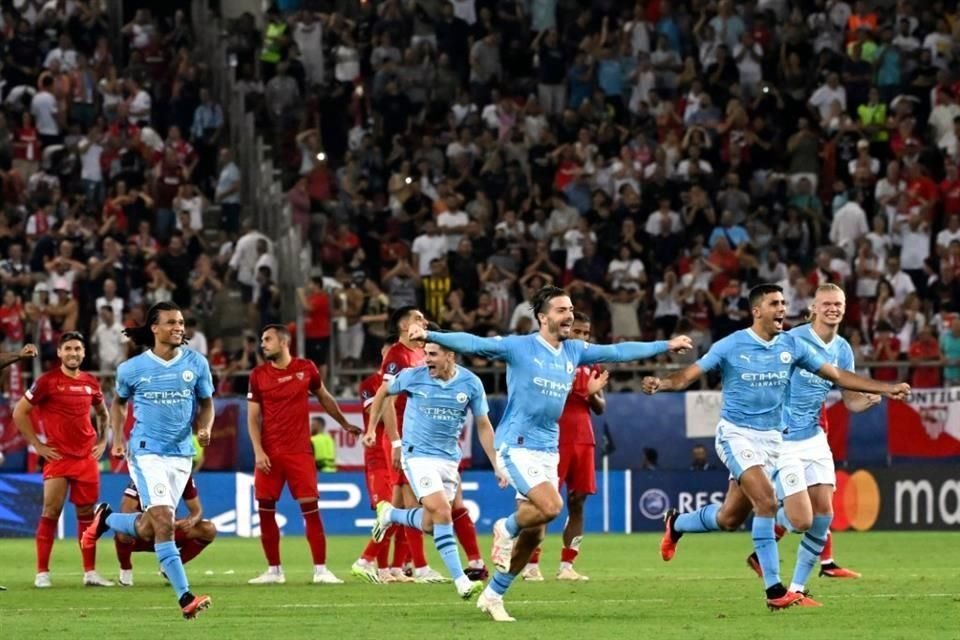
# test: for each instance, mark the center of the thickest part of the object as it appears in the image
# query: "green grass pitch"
(910, 590)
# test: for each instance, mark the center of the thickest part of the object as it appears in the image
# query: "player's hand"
(680, 344)
(597, 382)
(369, 439)
(872, 399)
(48, 453)
(97, 452)
(900, 391)
(29, 351)
(203, 436)
(185, 524)
(650, 385)
(118, 450)
(351, 428)
(263, 462)
(417, 333)
(502, 480)
(396, 458)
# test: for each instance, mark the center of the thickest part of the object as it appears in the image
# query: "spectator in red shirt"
(950, 189)
(316, 329)
(886, 347)
(925, 348)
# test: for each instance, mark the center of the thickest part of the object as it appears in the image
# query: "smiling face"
(557, 321)
(168, 329)
(439, 361)
(71, 354)
(829, 305)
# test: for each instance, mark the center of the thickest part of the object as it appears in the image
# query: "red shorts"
(179, 537)
(82, 474)
(577, 469)
(396, 475)
(296, 470)
(379, 486)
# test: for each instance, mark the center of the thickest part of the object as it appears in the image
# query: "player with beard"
(756, 366)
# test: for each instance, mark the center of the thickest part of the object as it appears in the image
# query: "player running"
(805, 477)
(278, 418)
(577, 447)
(756, 365)
(439, 395)
(63, 398)
(193, 534)
(540, 372)
(169, 385)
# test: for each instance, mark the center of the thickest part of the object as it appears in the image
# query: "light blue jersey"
(164, 393)
(807, 391)
(539, 378)
(436, 410)
(755, 375)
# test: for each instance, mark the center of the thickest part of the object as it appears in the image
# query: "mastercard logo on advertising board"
(856, 502)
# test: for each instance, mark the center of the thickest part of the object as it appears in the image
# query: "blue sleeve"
(846, 360)
(621, 352)
(495, 348)
(807, 358)
(714, 357)
(204, 386)
(124, 390)
(478, 400)
(400, 382)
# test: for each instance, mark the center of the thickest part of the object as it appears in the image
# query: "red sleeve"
(253, 392)
(316, 381)
(97, 392)
(190, 491)
(392, 365)
(580, 382)
(37, 394)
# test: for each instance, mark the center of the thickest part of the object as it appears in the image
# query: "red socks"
(315, 535)
(569, 554)
(401, 551)
(379, 552)
(89, 555)
(535, 556)
(191, 549)
(415, 547)
(466, 534)
(269, 532)
(124, 551)
(46, 534)
(827, 554)
(779, 531)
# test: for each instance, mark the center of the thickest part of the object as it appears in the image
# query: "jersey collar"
(816, 337)
(165, 363)
(752, 334)
(554, 350)
(446, 383)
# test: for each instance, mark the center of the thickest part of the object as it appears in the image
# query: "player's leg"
(379, 489)
(422, 572)
(125, 545)
(581, 483)
(466, 531)
(196, 539)
(814, 537)
(54, 497)
(302, 481)
(267, 487)
(491, 599)
(84, 493)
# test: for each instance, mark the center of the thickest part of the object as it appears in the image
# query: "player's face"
(272, 345)
(71, 354)
(169, 328)
(770, 312)
(829, 307)
(414, 318)
(580, 331)
(439, 361)
(559, 317)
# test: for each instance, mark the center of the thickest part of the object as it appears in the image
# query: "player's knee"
(801, 522)
(84, 511)
(552, 508)
(442, 514)
(206, 531)
(52, 511)
(765, 506)
(729, 521)
(575, 502)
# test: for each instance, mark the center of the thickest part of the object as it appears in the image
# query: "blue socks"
(408, 517)
(765, 544)
(170, 563)
(447, 546)
(501, 582)
(125, 523)
(811, 545)
(699, 521)
(512, 527)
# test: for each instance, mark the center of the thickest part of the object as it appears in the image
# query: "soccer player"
(541, 368)
(439, 395)
(170, 385)
(278, 418)
(64, 397)
(805, 477)
(577, 447)
(756, 365)
(192, 536)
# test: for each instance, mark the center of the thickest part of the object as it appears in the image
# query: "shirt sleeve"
(37, 393)
(621, 352)
(847, 360)
(497, 348)
(807, 358)
(315, 380)
(714, 357)
(204, 384)
(97, 393)
(124, 388)
(478, 401)
(400, 382)
(253, 388)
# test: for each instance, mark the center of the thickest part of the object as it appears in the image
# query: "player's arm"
(853, 382)
(632, 351)
(102, 424)
(485, 435)
(118, 415)
(459, 342)
(675, 382)
(255, 430)
(21, 416)
(329, 404)
(194, 514)
(382, 409)
(595, 396)
(204, 420)
(857, 402)
(28, 352)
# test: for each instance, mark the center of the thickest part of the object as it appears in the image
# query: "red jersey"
(317, 322)
(368, 389)
(11, 322)
(64, 405)
(398, 358)
(284, 396)
(575, 424)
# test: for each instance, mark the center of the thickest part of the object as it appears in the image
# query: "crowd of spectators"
(655, 159)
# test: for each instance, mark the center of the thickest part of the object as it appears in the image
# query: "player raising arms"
(540, 372)
(439, 395)
(63, 397)
(805, 477)
(192, 536)
(756, 365)
(278, 418)
(577, 447)
(169, 384)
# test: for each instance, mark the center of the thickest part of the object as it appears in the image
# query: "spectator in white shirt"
(948, 142)
(899, 281)
(243, 262)
(904, 40)
(943, 116)
(64, 55)
(940, 45)
(948, 235)
(427, 247)
(46, 115)
(822, 99)
(139, 105)
(889, 187)
(626, 271)
(848, 226)
(196, 339)
(574, 239)
(452, 223)
(660, 217)
(108, 337)
(110, 298)
(748, 54)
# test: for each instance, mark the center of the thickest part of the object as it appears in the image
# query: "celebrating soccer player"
(756, 365)
(193, 534)
(439, 395)
(278, 418)
(169, 384)
(577, 446)
(540, 372)
(63, 397)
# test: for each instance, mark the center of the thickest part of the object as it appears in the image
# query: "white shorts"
(160, 480)
(430, 475)
(526, 468)
(740, 448)
(802, 464)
